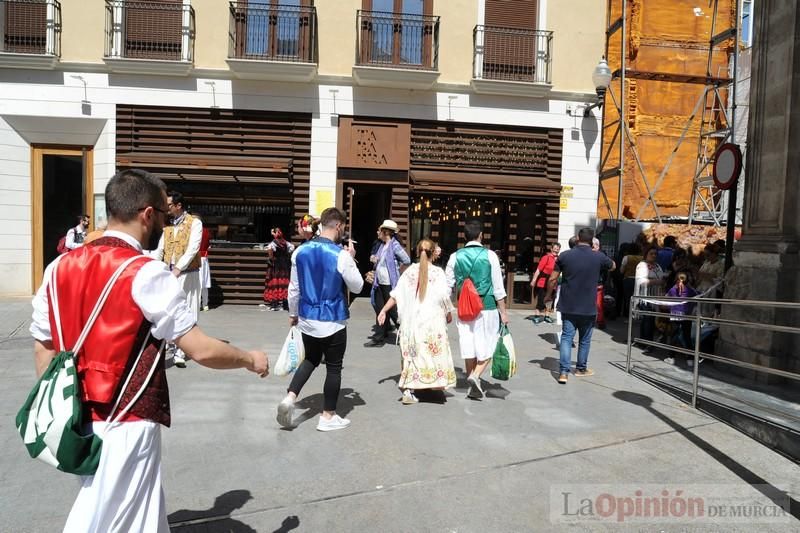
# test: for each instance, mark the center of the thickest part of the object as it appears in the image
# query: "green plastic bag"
(501, 360)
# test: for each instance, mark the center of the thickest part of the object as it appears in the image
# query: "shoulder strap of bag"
(474, 263)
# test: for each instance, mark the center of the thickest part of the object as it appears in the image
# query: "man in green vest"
(478, 338)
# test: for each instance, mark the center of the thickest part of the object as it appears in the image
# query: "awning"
(483, 184)
(222, 169)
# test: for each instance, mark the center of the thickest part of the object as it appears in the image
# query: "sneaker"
(179, 360)
(332, 424)
(205, 308)
(669, 360)
(562, 378)
(285, 411)
(586, 372)
(409, 398)
(548, 320)
(475, 391)
(537, 319)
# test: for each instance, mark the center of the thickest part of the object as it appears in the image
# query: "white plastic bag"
(292, 354)
(508, 342)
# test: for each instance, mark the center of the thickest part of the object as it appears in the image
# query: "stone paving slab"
(459, 466)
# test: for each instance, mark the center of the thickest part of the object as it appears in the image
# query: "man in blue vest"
(478, 338)
(321, 270)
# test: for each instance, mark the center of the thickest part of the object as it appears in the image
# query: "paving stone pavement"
(503, 464)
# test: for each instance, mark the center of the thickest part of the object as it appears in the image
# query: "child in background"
(682, 312)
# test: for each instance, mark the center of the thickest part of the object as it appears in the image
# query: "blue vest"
(321, 284)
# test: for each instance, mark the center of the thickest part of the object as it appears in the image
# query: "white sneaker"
(332, 424)
(409, 398)
(179, 360)
(475, 391)
(285, 411)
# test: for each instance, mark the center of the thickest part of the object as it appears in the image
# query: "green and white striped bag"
(52, 421)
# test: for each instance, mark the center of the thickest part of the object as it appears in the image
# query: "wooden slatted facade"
(245, 162)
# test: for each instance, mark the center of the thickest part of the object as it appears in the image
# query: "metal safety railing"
(398, 40)
(149, 30)
(698, 320)
(512, 54)
(31, 27)
(272, 33)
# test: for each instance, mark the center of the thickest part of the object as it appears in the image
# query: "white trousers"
(125, 494)
(205, 281)
(478, 339)
(190, 283)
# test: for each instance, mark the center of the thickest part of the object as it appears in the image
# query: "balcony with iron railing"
(512, 61)
(396, 50)
(272, 42)
(31, 32)
(149, 37)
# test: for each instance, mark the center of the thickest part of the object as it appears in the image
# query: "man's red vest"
(117, 336)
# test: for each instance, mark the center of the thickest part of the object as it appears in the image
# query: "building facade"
(425, 111)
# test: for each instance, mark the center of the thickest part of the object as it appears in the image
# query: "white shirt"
(647, 280)
(69, 242)
(346, 266)
(192, 249)
(155, 290)
(498, 289)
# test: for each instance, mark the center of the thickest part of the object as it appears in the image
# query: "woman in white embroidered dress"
(423, 304)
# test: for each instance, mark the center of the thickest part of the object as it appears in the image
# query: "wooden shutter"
(512, 14)
(153, 31)
(26, 28)
(509, 53)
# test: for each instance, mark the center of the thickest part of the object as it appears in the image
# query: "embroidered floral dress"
(427, 362)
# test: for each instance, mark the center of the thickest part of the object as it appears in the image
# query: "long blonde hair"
(425, 249)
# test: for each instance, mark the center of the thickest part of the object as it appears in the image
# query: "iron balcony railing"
(511, 54)
(272, 32)
(397, 40)
(31, 27)
(149, 30)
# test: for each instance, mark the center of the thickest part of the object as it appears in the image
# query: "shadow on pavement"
(218, 518)
(550, 338)
(348, 400)
(777, 496)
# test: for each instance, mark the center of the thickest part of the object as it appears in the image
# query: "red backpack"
(470, 303)
(61, 247)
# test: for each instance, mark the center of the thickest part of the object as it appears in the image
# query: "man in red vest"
(145, 307)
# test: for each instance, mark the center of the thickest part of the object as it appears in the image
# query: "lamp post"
(601, 77)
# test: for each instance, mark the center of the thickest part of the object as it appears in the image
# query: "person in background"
(628, 268)
(205, 268)
(77, 235)
(179, 248)
(580, 269)
(665, 254)
(539, 282)
(572, 243)
(711, 272)
(682, 313)
(96, 233)
(601, 285)
(649, 282)
(279, 254)
(321, 271)
(306, 228)
(387, 261)
(478, 338)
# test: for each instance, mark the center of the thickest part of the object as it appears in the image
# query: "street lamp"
(601, 77)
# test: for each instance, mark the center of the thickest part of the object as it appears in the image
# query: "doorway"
(61, 191)
(370, 207)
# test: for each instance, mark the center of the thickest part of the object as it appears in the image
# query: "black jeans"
(333, 348)
(382, 295)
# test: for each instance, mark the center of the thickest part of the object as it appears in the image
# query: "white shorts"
(478, 339)
(125, 493)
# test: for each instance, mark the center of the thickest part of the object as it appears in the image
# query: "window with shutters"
(152, 29)
(30, 26)
(398, 33)
(510, 46)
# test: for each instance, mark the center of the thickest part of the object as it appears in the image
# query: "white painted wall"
(15, 212)
(51, 109)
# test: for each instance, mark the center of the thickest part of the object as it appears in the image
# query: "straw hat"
(391, 225)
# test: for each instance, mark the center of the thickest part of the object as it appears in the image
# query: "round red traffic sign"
(727, 166)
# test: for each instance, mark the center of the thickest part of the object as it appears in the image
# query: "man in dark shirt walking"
(580, 269)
